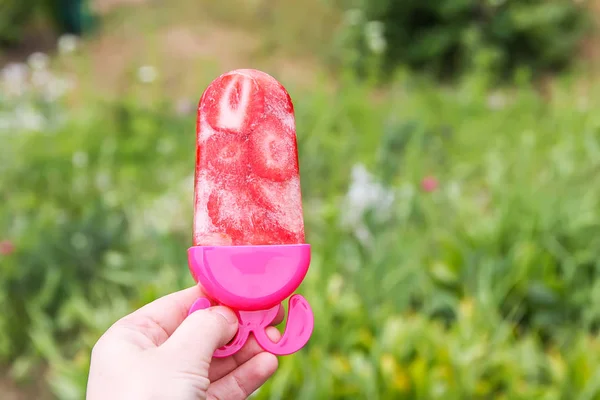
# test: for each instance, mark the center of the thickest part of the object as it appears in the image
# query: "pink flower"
(429, 184)
(6, 247)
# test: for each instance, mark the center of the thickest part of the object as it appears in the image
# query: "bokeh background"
(450, 159)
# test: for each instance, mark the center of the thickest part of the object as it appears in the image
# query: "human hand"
(158, 352)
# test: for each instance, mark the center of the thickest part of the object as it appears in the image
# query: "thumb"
(201, 333)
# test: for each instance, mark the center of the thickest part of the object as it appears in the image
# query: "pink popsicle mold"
(254, 280)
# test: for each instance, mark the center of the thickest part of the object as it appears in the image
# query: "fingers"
(244, 380)
(201, 333)
(222, 366)
(159, 319)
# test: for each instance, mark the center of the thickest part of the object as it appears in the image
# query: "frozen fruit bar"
(247, 187)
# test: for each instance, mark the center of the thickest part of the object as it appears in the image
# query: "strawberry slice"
(275, 94)
(231, 211)
(273, 153)
(232, 103)
(282, 202)
(225, 154)
(275, 196)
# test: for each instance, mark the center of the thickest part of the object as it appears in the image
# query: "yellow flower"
(394, 373)
(340, 365)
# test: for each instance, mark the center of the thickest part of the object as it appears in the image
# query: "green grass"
(486, 287)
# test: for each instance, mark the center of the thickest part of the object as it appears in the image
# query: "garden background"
(450, 159)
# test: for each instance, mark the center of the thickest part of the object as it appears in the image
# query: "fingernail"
(229, 315)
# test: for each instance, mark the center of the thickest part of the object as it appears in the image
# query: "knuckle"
(209, 318)
(241, 388)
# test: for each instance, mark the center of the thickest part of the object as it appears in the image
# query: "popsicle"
(247, 189)
(248, 248)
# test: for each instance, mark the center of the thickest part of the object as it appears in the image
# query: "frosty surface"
(247, 182)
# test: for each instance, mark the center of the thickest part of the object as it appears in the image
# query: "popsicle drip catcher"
(254, 281)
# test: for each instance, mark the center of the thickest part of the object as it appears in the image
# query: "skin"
(157, 352)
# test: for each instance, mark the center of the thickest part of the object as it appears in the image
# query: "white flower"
(496, 101)
(375, 38)
(364, 195)
(377, 44)
(38, 61)
(67, 44)
(115, 259)
(40, 78)
(102, 181)
(80, 159)
(29, 119)
(14, 79)
(57, 87)
(374, 28)
(14, 72)
(147, 74)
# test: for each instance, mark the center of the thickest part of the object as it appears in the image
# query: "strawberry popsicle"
(248, 248)
(247, 182)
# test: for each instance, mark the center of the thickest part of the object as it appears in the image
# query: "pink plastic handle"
(297, 332)
(298, 329)
(253, 281)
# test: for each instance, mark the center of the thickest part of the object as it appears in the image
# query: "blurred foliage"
(14, 14)
(449, 37)
(482, 283)
(66, 16)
